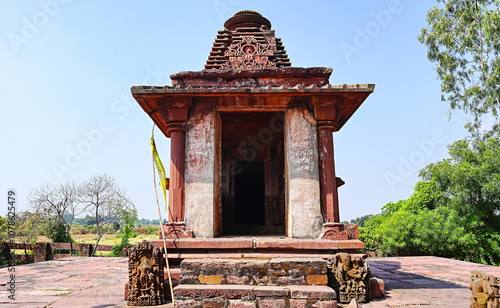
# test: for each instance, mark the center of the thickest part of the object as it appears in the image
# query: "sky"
(66, 68)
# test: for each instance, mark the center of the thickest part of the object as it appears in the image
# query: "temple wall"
(200, 171)
(304, 210)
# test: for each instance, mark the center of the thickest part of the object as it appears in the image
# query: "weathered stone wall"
(274, 272)
(304, 211)
(200, 171)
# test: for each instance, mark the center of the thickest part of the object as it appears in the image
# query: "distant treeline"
(88, 221)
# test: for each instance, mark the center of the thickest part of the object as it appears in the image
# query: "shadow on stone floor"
(395, 277)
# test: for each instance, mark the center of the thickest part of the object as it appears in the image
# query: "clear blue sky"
(67, 68)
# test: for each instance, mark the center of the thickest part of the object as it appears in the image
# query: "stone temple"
(252, 140)
(253, 215)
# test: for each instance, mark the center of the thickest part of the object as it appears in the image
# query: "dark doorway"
(250, 194)
(252, 183)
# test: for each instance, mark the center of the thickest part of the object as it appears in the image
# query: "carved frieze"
(146, 275)
(248, 54)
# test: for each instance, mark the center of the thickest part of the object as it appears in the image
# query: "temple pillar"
(303, 197)
(325, 113)
(177, 132)
(176, 129)
(328, 183)
(201, 171)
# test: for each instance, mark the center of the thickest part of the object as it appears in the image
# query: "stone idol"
(485, 290)
(145, 274)
(350, 277)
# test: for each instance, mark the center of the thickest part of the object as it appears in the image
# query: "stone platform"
(280, 282)
(99, 282)
(255, 247)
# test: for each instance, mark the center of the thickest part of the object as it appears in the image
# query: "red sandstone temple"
(252, 141)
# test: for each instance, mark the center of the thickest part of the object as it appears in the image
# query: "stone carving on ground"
(349, 275)
(485, 290)
(146, 275)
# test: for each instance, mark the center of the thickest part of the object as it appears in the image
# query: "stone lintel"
(258, 77)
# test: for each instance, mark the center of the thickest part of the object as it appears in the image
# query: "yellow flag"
(161, 172)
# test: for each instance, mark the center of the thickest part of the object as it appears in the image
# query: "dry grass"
(107, 239)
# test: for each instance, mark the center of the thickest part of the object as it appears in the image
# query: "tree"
(360, 221)
(128, 217)
(104, 201)
(463, 38)
(454, 211)
(470, 179)
(53, 204)
(31, 225)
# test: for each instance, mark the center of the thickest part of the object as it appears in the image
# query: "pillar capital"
(173, 127)
(326, 125)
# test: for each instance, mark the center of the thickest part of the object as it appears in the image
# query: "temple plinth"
(252, 147)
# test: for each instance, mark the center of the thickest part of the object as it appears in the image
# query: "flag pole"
(161, 222)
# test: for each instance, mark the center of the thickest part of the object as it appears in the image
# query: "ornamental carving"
(350, 277)
(485, 290)
(339, 231)
(176, 230)
(248, 54)
(146, 276)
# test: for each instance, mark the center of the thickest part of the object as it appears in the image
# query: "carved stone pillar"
(176, 129)
(328, 183)
(177, 132)
(332, 228)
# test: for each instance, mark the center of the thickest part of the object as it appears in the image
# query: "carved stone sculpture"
(349, 275)
(485, 291)
(248, 54)
(146, 276)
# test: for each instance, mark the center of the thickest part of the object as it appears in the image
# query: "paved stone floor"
(99, 282)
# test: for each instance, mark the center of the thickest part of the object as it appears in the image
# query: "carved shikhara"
(485, 290)
(146, 275)
(350, 277)
(248, 54)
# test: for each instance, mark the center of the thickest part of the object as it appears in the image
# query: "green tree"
(128, 217)
(454, 212)
(470, 179)
(463, 38)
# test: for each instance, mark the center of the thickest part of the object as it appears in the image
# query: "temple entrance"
(252, 173)
(250, 194)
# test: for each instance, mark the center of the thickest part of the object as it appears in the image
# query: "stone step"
(268, 272)
(175, 272)
(254, 247)
(254, 296)
(175, 283)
